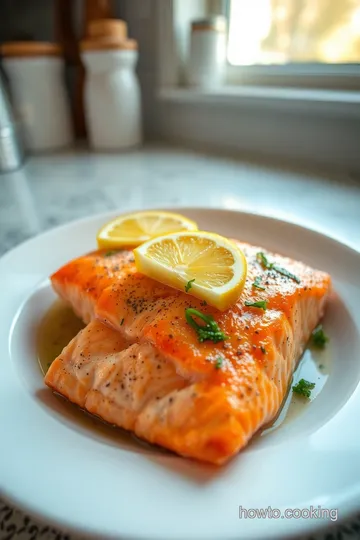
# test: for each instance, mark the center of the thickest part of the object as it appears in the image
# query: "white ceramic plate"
(106, 485)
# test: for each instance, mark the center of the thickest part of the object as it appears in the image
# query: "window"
(291, 87)
(278, 32)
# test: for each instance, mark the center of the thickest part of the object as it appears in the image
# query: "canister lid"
(100, 28)
(30, 49)
(215, 22)
(108, 43)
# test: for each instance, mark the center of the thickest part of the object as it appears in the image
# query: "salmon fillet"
(141, 366)
(82, 281)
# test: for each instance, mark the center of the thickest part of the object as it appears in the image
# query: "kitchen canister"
(35, 72)
(207, 59)
(112, 93)
(107, 28)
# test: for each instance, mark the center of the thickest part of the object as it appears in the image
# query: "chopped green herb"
(209, 331)
(189, 285)
(303, 388)
(257, 285)
(321, 366)
(263, 350)
(109, 253)
(286, 273)
(319, 338)
(219, 362)
(122, 322)
(262, 304)
(261, 257)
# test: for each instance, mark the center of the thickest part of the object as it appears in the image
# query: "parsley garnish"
(209, 331)
(257, 285)
(122, 322)
(286, 273)
(262, 304)
(219, 362)
(303, 388)
(261, 257)
(263, 350)
(109, 253)
(319, 338)
(189, 285)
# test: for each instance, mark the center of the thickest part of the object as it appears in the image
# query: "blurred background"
(283, 31)
(228, 75)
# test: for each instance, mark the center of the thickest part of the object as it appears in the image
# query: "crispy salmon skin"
(203, 400)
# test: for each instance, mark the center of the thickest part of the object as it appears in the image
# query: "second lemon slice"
(202, 264)
(136, 228)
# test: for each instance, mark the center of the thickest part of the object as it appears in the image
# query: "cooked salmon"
(82, 281)
(103, 373)
(141, 365)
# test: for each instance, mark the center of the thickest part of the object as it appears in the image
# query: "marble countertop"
(53, 189)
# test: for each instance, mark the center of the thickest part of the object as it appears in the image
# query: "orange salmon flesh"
(139, 364)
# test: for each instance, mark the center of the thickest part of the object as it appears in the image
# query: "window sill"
(311, 127)
(321, 102)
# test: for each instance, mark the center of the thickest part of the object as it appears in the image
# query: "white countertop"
(53, 189)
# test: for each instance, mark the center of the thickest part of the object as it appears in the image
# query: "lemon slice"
(202, 264)
(134, 229)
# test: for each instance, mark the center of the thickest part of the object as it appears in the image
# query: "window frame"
(305, 75)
